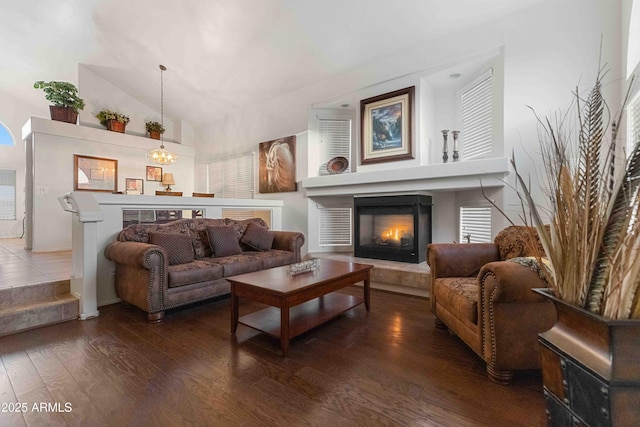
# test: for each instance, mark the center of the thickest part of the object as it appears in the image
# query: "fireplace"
(395, 228)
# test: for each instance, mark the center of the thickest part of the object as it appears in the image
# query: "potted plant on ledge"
(112, 120)
(154, 129)
(65, 99)
(589, 357)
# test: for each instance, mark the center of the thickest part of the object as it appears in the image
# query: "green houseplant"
(592, 245)
(65, 100)
(112, 120)
(154, 129)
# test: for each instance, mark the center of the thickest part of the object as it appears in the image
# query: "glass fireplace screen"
(383, 230)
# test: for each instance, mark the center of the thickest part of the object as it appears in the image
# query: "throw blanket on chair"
(533, 264)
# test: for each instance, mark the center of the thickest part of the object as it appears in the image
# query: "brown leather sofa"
(164, 266)
(482, 293)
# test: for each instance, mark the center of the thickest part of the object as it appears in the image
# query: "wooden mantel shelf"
(437, 177)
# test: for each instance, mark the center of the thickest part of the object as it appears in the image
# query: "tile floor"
(21, 267)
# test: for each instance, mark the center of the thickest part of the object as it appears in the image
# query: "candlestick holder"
(445, 147)
(456, 155)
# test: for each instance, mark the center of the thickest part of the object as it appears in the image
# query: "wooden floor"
(387, 367)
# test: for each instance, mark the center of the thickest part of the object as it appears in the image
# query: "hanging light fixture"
(161, 155)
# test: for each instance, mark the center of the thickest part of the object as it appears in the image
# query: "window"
(335, 226)
(233, 178)
(477, 109)
(335, 141)
(5, 136)
(633, 116)
(475, 224)
(7, 194)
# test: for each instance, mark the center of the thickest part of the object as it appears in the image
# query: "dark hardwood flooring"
(388, 367)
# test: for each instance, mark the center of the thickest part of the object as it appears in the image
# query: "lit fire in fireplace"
(394, 236)
(393, 233)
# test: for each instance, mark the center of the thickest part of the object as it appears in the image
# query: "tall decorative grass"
(593, 239)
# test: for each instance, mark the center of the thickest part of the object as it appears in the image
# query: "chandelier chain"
(162, 69)
(160, 155)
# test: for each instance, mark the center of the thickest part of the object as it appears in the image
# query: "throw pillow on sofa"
(179, 247)
(258, 238)
(222, 240)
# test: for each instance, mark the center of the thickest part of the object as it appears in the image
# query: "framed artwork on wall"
(134, 185)
(94, 174)
(386, 127)
(154, 173)
(278, 166)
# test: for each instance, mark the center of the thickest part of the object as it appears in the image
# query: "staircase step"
(28, 307)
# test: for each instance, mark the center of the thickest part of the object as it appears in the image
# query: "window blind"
(233, 178)
(238, 214)
(335, 141)
(7, 194)
(477, 117)
(335, 226)
(475, 224)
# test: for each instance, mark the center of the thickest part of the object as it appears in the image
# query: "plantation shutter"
(477, 118)
(335, 141)
(475, 224)
(335, 226)
(233, 178)
(7, 194)
(633, 114)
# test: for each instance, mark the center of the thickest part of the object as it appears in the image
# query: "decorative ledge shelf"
(437, 177)
(90, 133)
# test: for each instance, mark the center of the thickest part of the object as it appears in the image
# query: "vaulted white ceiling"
(221, 55)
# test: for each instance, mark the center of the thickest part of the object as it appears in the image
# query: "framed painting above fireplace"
(386, 127)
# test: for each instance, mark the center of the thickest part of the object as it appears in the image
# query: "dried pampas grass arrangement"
(593, 240)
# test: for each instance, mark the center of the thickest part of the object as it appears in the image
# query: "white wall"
(547, 49)
(99, 93)
(52, 145)
(13, 113)
(550, 50)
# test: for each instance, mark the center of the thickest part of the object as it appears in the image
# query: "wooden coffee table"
(298, 303)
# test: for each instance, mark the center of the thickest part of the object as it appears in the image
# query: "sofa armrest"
(133, 254)
(141, 273)
(291, 241)
(510, 282)
(511, 315)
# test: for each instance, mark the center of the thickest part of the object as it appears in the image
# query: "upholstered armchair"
(482, 293)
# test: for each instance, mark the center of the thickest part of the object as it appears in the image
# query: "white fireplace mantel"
(453, 176)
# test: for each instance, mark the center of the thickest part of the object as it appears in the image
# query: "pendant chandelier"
(161, 155)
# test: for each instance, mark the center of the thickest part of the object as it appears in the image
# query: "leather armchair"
(486, 300)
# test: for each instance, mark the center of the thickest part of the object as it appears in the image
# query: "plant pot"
(63, 114)
(154, 134)
(590, 367)
(116, 126)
